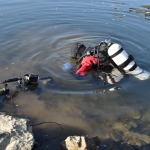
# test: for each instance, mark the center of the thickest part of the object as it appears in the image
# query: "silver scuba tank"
(126, 62)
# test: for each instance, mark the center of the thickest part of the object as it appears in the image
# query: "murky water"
(35, 36)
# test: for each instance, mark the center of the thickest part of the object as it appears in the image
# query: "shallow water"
(35, 36)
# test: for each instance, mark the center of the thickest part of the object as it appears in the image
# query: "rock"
(15, 133)
(121, 127)
(135, 114)
(80, 143)
(132, 124)
(137, 139)
(122, 131)
(116, 136)
(146, 117)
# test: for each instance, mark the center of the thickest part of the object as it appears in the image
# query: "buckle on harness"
(88, 53)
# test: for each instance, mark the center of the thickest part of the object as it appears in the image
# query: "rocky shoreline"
(16, 134)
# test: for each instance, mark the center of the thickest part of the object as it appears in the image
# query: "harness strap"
(81, 57)
(98, 57)
(117, 53)
(94, 51)
(133, 67)
(124, 64)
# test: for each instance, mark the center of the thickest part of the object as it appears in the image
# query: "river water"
(35, 36)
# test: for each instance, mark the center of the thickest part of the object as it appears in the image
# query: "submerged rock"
(80, 143)
(132, 124)
(15, 133)
(122, 132)
(135, 114)
(145, 116)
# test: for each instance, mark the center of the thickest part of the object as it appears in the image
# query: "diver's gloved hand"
(86, 65)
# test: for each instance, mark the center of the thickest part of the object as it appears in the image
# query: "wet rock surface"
(15, 133)
(135, 114)
(80, 143)
(86, 143)
(121, 132)
(146, 116)
(128, 133)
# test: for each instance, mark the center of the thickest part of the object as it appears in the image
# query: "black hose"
(98, 57)
(52, 138)
(81, 58)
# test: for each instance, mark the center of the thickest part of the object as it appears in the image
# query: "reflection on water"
(36, 37)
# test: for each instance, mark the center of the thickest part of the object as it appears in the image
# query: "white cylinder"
(120, 57)
(126, 62)
(140, 73)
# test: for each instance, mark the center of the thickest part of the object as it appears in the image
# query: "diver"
(109, 59)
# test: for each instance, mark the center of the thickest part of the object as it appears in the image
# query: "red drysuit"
(87, 64)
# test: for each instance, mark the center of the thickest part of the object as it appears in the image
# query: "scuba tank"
(126, 62)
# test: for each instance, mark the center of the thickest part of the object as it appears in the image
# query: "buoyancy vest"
(99, 51)
(77, 50)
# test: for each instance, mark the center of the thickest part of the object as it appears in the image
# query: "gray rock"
(80, 143)
(15, 133)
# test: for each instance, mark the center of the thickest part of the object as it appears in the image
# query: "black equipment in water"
(29, 79)
(4, 90)
(79, 51)
(12, 80)
(28, 82)
(100, 51)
